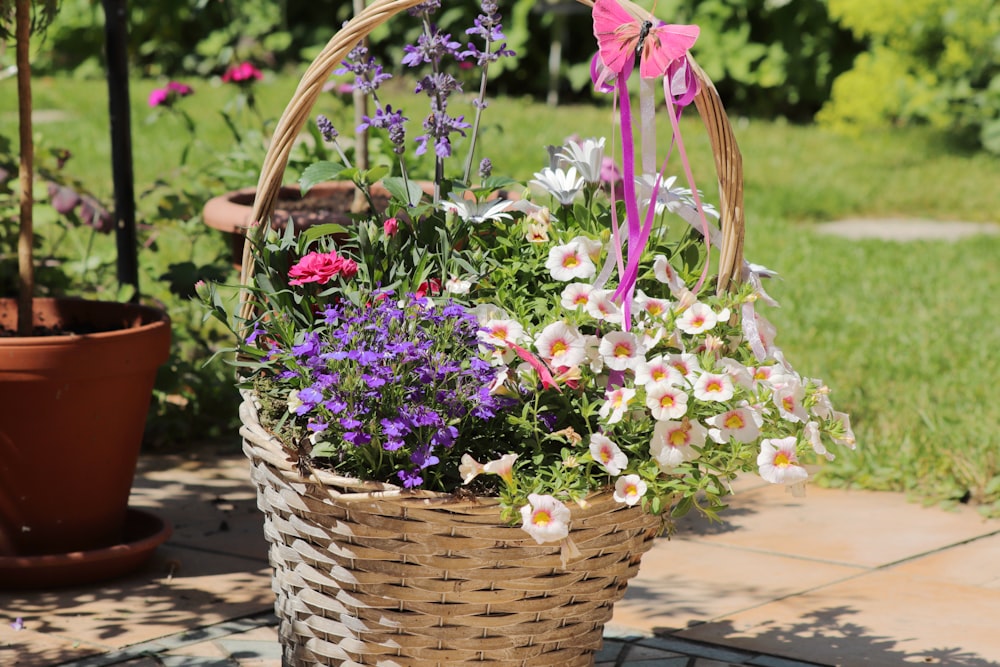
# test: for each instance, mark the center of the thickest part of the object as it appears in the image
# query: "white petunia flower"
(601, 307)
(616, 403)
(665, 273)
(561, 345)
(686, 364)
(545, 518)
(569, 262)
(575, 295)
(713, 387)
(665, 401)
(621, 350)
(470, 468)
(697, 319)
(455, 285)
(563, 185)
(673, 443)
(629, 489)
(741, 423)
(812, 435)
(607, 454)
(592, 247)
(501, 332)
(657, 369)
(778, 463)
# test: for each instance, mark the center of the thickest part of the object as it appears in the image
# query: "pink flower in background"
(158, 97)
(242, 73)
(165, 97)
(182, 89)
(320, 268)
(390, 227)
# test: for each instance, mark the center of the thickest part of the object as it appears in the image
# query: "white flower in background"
(629, 489)
(673, 443)
(293, 401)
(741, 423)
(601, 307)
(591, 345)
(575, 295)
(474, 211)
(545, 518)
(501, 332)
(649, 336)
(666, 401)
(621, 350)
(586, 156)
(699, 318)
(563, 185)
(616, 403)
(569, 262)
(778, 463)
(713, 387)
(561, 345)
(607, 454)
(845, 421)
(657, 369)
(455, 285)
(823, 407)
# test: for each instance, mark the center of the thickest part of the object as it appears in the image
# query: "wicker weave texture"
(427, 581)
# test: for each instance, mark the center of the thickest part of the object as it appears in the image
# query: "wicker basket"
(367, 574)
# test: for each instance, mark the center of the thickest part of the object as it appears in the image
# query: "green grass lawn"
(905, 334)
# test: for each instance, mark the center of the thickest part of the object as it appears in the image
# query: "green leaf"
(403, 190)
(319, 231)
(319, 172)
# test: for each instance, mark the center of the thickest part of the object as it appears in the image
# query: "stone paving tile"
(880, 619)
(27, 648)
(203, 588)
(682, 582)
(976, 563)
(768, 519)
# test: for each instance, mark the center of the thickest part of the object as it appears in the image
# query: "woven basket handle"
(728, 161)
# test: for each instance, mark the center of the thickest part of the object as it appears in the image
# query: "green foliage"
(929, 61)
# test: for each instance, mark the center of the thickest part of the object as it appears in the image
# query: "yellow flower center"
(667, 401)
(622, 350)
(559, 347)
(570, 261)
(678, 437)
(542, 518)
(782, 460)
(734, 421)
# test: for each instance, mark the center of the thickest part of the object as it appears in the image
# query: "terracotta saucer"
(143, 533)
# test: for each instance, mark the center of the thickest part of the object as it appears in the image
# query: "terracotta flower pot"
(324, 203)
(72, 413)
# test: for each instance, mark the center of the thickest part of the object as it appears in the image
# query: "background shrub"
(928, 61)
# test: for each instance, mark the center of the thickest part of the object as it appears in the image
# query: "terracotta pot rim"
(150, 319)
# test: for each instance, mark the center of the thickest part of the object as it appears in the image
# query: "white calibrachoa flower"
(592, 247)
(739, 373)
(536, 233)
(503, 467)
(470, 468)
(686, 364)
(741, 423)
(569, 262)
(561, 345)
(673, 442)
(563, 185)
(591, 345)
(713, 387)
(501, 332)
(607, 454)
(629, 489)
(665, 401)
(778, 462)
(651, 306)
(788, 396)
(665, 273)
(545, 518)
(601, 307)
(293, 401)
(657, 369)
(697, 319)
(616, 403)
(575, 295)
(812, 436)
(621, 350)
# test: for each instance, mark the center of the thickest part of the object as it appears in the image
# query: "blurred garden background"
(843, 108)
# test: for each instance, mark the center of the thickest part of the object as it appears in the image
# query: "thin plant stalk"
(475, 123)
(25, 244)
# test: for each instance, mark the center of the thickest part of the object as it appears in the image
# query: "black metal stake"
(116, 46)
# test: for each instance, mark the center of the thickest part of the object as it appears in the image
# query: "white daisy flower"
(563, 185)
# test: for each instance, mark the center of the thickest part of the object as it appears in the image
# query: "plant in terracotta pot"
(76, 378)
